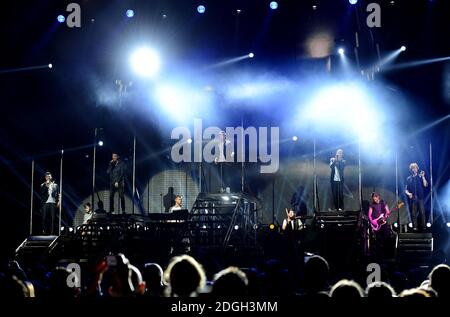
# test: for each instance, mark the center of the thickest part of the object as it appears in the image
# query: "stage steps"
(36, 247)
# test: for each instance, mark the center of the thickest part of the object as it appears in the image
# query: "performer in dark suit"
(49, 204)
(337, 165)
(415, 190)
(116, 172)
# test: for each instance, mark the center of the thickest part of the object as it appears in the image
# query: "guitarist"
(378, 214)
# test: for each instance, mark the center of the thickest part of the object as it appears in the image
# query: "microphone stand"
(431, 184)
(60, 191)
(396, 192)
(32, 196)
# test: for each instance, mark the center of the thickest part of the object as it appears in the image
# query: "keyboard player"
(178, 204)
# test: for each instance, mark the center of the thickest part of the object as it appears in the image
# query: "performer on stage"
(178, 202)
(49, 204)
(337, 165)
(381, 231)
(220, 159)
(87, 212)
(291, 223)
(292, 229)
(415, 190)
(220, 156)
(116, 172)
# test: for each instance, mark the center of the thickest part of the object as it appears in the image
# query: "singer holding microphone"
(337, 165)
(49, 204)
(116, 172)
(415, 189)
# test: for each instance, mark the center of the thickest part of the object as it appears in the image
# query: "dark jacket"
(414, 185)
(116, 172)
(340, 166)
(44, 193)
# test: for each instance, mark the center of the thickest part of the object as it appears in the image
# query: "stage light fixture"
(341, 51)
(236, 227)
(294, 138)
(201, 9)
(274, 5)
(189, 141)
(353, 2)
(50, 66)
(61, 18)
(129, 13)
(448, 224)
(410, 225)
(100, 143)
(403, 48)
(145, 62)
(428, 225)
(251, 55)
(271, 226)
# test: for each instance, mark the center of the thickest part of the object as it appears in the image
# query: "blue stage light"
(61, 18)
(341, 51)
(100, 143)
(251, 55)
(274, 5)
(130, 13)
(403, 48)
(201, 9)
(353, 1)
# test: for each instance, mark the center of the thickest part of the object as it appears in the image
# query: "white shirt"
(51, 189)
(292, 223)
(221, 155)
(175, 207)
(87, 217)
(337, 176)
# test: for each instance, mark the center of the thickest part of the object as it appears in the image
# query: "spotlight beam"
(72, 149)
(417, 63)
(22, 69)
(390, 57)
(432, 124)
(229, 61)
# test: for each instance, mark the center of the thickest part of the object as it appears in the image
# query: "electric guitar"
(381, 220)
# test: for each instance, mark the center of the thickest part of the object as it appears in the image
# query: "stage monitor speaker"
(414, 248)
